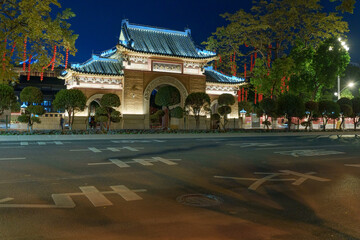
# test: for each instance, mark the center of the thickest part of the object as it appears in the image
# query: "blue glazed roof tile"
(217, 77)
(99, 65)
(160, 41)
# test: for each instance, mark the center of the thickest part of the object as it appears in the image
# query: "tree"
(346, 93)
(71, 100)
(177, 112)
(106, 112)
(316, 69)
(311, 109)
(35, 22)
(268, 107)
(7, 98)
(356, 111)
(34, 97)
(244, 106)
(328, 110)
(346, 110)
(225, 101)
(290, 106)
(197, 102)
(274, 25)
(167, 96)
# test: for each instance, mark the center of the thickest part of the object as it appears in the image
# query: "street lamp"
(343, 44)
(338, 93)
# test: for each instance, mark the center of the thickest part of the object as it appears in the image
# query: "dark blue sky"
(98, 21)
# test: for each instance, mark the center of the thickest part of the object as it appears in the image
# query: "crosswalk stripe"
(63, 201)
(95, 197)
(24, 143)
(58, 143)
(41, 143)
(119, 163)
(126, 193)
(143, 162)
(131, 149)
(113, 149)
(94, 149)
(166, 161)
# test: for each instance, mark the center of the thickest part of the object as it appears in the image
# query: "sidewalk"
(13, 138)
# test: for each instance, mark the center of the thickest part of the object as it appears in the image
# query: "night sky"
(98, 22)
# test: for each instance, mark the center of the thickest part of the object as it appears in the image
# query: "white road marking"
(6, 200)
(166, 161)
(41, 143)
(101, 163)
(113, 149)
(143, 162)
(63, 201)
(131, 149)
(95, 150)
(6, 159)
(352, 165)
(126, 193)
(24, 143)
(309, 152)
(58, 143)
(119, 163)
(246, 145)
(304, 177)
(95, 197)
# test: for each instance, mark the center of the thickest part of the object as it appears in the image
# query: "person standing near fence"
(62, 123)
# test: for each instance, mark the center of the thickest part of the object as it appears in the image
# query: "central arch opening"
(163, 99)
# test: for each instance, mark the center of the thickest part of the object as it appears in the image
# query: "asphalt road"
(220, 188)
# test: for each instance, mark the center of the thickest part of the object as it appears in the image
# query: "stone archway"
(164, 80)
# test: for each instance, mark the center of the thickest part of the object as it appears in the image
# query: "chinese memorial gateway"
(144, 60)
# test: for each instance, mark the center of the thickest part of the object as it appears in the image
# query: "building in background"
(144, 60)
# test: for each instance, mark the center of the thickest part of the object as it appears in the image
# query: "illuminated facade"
(145, 59)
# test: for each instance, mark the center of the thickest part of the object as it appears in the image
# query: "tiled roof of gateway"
(217, 77)
(160, 41)
(99, 65)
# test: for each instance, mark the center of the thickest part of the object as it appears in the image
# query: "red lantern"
(13, 48)
(238, 93)
(246, 95)
(53, 59)
(67, 58)
(243, 90)
(251, 66)
(24, 62)
(28, 75)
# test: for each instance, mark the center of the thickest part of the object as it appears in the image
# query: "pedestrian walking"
(62, 123)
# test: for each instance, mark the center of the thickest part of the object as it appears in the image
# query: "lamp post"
(343, 44)
(338, 93)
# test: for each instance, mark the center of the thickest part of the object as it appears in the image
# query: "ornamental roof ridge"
(92, 59)
(234, 78)
(64, 73)
(186, 32)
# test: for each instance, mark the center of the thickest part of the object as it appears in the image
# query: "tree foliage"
(71, 100)
(7, 98)
(195, 103)
(268, 107)
(290, 106)
(165, 97)
(328, 110)
(274, 25)
(42, 27)
(106, 112)
(34, 97)
(356, 111)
